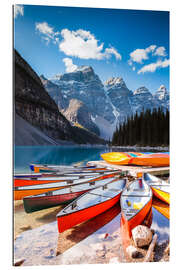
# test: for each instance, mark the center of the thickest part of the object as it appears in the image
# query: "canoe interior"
(66, 181)
(134, 198)
(89, 205)
(77, 188)
(95, 196)
(156, 182)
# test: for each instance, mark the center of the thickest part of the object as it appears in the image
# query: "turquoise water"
(60, 155)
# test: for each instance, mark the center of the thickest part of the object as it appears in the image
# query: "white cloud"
(153, 66)
(139, 55)
(18, 10)
(70, 67)
(45, 29)
(109, 51)
(84, 45)
(160, 51)
(79, 43)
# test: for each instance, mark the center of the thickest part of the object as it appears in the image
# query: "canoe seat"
(137, 205)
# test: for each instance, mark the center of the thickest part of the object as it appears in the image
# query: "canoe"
(22, 191)
(60, 196)
(52, 168)
(56, 178)
(153, 160)
(19, 182)
(159, 187)
(119, 158)
(136, 202)
(56, 173)
(136, 158)
(161, 207)
(31, 175)
(90, 204)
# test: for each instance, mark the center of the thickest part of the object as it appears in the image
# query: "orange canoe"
(154, 160)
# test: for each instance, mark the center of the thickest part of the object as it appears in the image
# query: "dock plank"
(132, 170)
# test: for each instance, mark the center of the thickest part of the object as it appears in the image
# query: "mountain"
(106, 104)
(119, 96)
(162, 95)
(84, 85)
(142, 99)
(77, 113)
(35, 106)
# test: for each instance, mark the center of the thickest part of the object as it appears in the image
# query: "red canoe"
(136, 202)
(90, 205)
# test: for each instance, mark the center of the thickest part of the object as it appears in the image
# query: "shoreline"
(98, 240)
(161, 148)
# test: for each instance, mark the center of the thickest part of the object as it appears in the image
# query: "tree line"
(148, 128)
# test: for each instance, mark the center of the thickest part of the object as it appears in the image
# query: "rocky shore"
(98, 240)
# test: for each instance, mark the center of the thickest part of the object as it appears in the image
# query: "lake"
(58, 155)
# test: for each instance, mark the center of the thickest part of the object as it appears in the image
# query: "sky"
(132, 44)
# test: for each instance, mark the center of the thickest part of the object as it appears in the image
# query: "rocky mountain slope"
(36, 107)
(78, 113)
(106, 104)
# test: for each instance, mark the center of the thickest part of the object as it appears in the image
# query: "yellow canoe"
(136, 158)
(160, 188)
(120, 158)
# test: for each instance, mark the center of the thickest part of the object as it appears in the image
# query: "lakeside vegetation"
(149, 128)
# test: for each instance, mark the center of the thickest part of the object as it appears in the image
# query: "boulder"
(142, 236)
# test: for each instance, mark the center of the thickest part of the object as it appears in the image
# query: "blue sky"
(131, 44)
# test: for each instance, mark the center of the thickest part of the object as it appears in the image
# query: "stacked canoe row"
(136, 158)
(90, 191)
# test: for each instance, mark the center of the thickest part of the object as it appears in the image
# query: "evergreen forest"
(148, 128)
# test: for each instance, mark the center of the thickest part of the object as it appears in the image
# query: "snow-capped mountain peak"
(141, 90)
(115, 81)
(162, 93)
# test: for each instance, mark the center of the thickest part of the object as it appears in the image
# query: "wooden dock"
(133, 170)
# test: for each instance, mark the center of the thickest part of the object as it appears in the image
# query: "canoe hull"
(44, 202)
(24, 182)
(68, 221)
(117, 158)
(137, 219)
(125, 236)
(20, 194)
(151, 160)
(161, 207)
